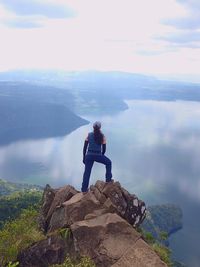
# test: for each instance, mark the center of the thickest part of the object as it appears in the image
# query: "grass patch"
(83, 262)
(18, 234)
(163, 252)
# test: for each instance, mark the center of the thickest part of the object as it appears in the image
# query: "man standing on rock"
(94, 150)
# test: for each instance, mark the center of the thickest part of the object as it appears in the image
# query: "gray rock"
(62, 195)
(104, 239)
(47, 199)
(101, 222)
(74, 210)
(119, 200)
(139, 255)
(52, 250)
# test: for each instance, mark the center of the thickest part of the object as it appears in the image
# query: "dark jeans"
(89, 161)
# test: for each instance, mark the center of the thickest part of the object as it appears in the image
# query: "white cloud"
(47, 8)
(104, 35)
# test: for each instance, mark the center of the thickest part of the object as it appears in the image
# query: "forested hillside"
(16, 197)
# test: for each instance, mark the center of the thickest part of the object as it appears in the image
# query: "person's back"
(93, 146)
(93, 151)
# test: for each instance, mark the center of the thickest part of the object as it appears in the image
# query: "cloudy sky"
(153, 37)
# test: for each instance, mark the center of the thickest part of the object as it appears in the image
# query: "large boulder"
(62, 195)
(52, 199)
(104, 239)
(101, 223)
(44, 253)
(73, 210)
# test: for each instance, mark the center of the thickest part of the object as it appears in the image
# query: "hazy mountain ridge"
(104, 92)
(32, 112)
(81, 100)
(28, 91)
(96, 80)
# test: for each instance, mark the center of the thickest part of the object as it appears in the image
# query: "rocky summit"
(99, 224)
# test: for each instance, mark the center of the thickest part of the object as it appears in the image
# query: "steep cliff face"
(100, 224)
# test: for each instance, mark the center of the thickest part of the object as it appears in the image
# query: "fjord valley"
(121, 78)
(148, 122)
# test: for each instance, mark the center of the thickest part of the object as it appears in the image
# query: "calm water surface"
(155, 149)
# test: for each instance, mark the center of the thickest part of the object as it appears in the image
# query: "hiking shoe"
(84, 193)
(111, 181)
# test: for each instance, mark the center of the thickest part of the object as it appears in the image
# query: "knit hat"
(97, 124)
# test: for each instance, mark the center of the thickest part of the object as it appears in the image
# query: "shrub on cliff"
(18, 234)
(163, 251)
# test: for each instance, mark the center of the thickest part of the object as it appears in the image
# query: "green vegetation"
(148, 237)
(163, 236)
(65, 233)
(13, 264)
(19, 202)
(83, 262)
(17, 235)
(18, 219)
(11, 206)
(163, 251)
(160, 222)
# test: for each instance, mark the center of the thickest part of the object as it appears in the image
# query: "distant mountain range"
(40, 104)
(97, 85)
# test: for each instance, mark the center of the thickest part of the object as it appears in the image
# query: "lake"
(155, 150)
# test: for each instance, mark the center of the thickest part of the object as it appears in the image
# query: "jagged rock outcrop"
(127, 205)
(64, 206)
(52, 199)
(101, 225)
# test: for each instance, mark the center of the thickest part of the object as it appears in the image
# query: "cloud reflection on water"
(152, 145)
(161, 145)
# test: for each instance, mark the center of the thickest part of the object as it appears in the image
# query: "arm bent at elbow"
(85, 150)
(103, 149)
(104, 146)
